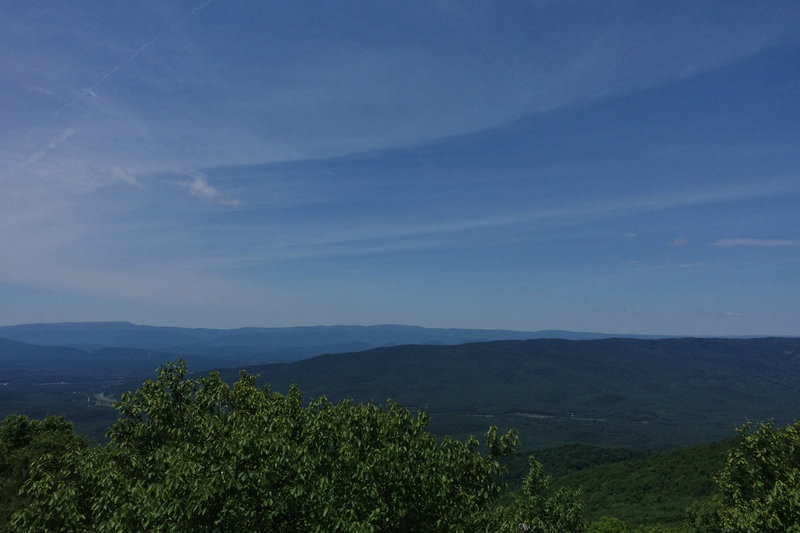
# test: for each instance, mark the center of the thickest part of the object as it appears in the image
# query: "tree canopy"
(22, 441)
(199, 455)
(759, 487)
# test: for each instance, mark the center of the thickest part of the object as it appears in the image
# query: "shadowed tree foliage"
(607, 524)
(198, 455)
(21, 441)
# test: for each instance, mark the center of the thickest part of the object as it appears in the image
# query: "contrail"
(66, 134)
(90, 90)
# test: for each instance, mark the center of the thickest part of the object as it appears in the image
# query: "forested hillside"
(614, 392)
(622, 393)
(652, 490)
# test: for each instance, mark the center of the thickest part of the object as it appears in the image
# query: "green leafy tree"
(537, 509)
(23, 440)
(198, 455)
(759, 487)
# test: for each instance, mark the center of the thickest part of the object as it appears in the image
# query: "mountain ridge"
(308, 340)
(644, 393)
(678, 391)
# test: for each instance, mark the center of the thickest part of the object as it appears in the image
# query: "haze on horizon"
(611, 166)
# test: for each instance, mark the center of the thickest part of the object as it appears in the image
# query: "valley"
(590, 410)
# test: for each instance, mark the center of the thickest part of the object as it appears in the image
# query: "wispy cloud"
(52, 145)
(118, 174)
(576, 213)
(200, 188)
(768, 243)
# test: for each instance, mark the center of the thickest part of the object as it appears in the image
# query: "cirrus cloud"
(768, 243)
(200, 188)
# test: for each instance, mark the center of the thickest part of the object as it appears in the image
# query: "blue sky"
(628, 167)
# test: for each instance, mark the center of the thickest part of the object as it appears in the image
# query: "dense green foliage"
(759, 487)
(608, 524)
(21, 441)
(562, 460)
(653, 490)
(198, 455)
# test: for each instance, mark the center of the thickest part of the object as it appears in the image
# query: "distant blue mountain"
(277, 344)
(23, 362)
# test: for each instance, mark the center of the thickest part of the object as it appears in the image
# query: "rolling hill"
(619, 392)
